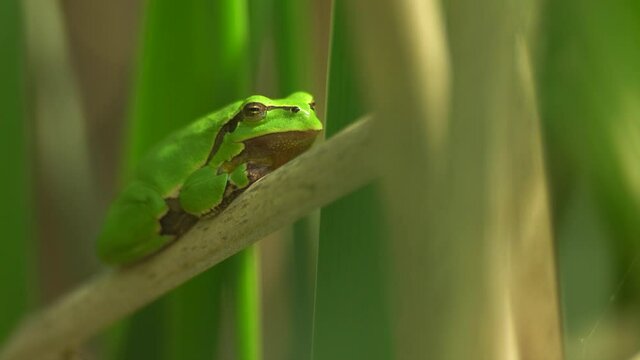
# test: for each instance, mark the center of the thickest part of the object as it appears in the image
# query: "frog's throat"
(274, 150)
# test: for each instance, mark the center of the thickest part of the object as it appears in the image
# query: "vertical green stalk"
(293, 45)
(193, 60)
(15, 184)
(295, 69)
(246, 286)
(351, 314)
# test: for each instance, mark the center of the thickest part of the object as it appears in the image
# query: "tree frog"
(200, 169)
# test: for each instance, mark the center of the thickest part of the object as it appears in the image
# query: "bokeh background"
(86, 87)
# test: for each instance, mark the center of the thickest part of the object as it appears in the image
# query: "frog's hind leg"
(132, 229)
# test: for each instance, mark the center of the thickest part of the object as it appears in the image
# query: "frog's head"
(275, 131)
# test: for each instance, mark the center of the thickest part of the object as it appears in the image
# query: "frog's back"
(169, 163)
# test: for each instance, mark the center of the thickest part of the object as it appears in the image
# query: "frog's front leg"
(203, 191)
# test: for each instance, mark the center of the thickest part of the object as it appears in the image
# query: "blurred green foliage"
(16, 259)
(589, 90)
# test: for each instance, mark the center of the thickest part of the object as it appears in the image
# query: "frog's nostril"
(295, 109)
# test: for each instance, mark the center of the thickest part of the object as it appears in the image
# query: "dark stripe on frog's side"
(229, 127)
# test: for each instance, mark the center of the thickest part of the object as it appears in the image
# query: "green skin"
(200, 169)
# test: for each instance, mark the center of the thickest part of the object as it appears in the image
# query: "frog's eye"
(254, 111)
(312, 105)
